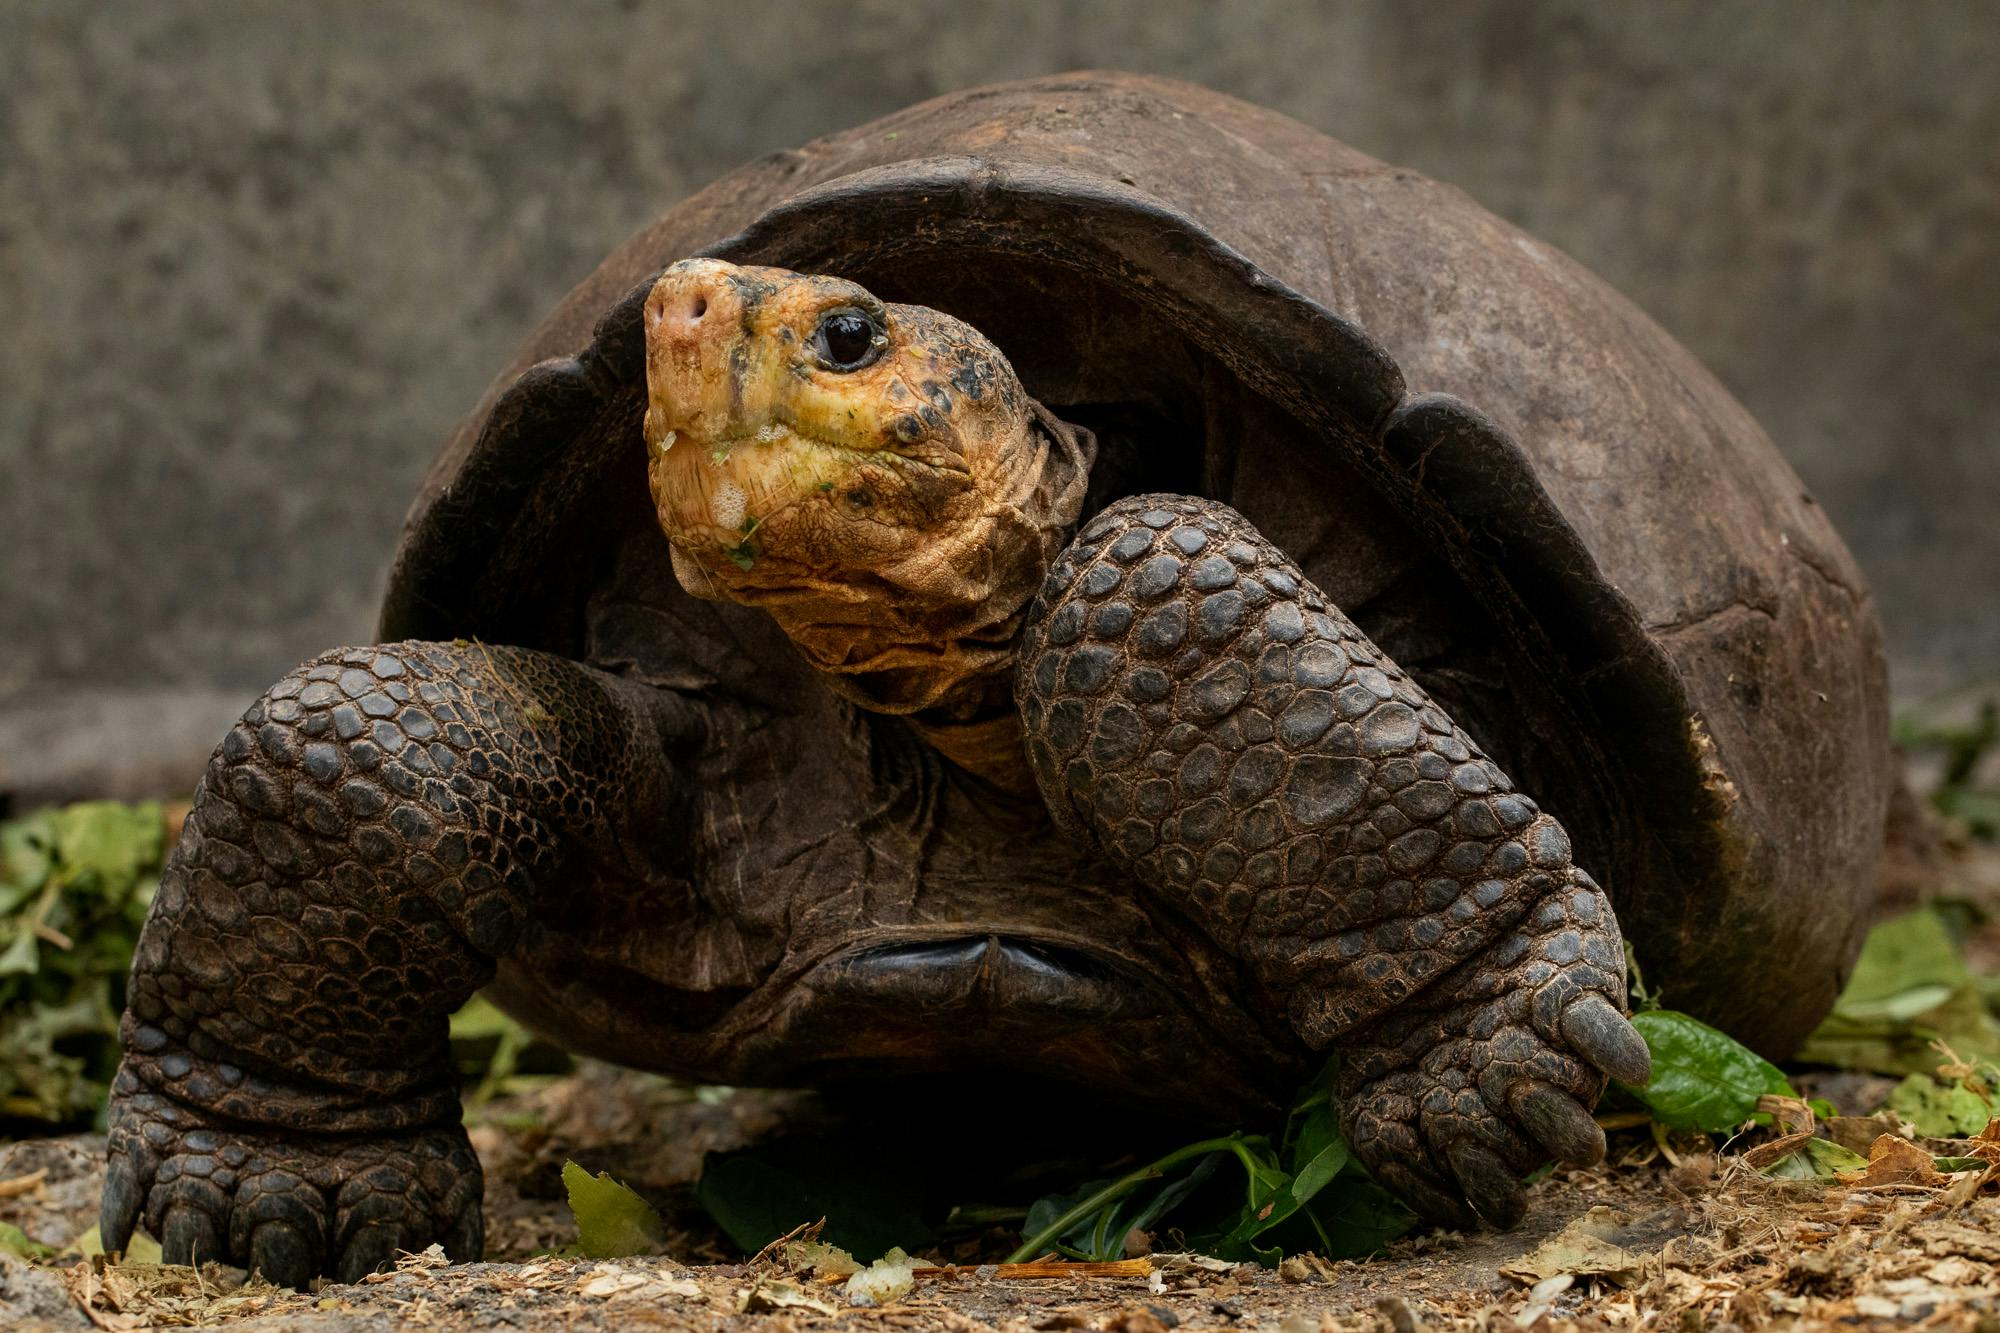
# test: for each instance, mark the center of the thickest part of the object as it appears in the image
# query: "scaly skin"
(366, 841)
(1212, 723)
(375, 832)
(1188, 703)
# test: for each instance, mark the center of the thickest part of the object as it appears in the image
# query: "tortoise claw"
(191, 1234)
(119, 1212)
(1560, 1124)
(1430, 1198)
(372, 1246)
(280, 1252)
(1489, 1184)
(465, 1242)
(1606, 1038)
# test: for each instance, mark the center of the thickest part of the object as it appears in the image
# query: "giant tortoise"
(1084, 578)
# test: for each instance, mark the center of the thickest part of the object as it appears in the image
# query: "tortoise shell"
(1517, 484)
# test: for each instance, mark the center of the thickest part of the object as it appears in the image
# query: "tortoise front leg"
(1205, 715)
(366, 842)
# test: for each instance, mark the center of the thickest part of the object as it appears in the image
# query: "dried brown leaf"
(20, 1185)
(1857, 1133)
(1595, 1244)
(1893, 1160)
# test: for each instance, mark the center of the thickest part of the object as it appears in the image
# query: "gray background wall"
(256, 258)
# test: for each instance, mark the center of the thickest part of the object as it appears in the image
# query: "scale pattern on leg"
(365, 842)
(1214, 724)
(1489, 1072)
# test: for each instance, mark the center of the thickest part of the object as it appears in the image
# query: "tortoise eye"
(847, 339)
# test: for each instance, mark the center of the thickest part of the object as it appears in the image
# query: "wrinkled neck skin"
(931, 635)
(896, 521)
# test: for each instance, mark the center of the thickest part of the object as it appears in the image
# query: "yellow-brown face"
(873, 475)
(798, 424)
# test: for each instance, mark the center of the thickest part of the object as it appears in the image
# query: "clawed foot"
(1459, 1094)
(287, 1206)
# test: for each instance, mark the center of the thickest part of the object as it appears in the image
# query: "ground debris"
(1604, 1242)
(1598, 1251)
(773, 1294)
(128, 1296)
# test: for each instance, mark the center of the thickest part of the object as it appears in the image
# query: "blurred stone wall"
(255, 258)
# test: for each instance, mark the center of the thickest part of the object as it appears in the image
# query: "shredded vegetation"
(75, 885)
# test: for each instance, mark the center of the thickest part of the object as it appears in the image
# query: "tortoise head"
(872, 475)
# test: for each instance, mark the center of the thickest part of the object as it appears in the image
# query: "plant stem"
(1037, 1244)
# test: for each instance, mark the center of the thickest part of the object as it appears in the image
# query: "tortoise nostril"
(699, 308)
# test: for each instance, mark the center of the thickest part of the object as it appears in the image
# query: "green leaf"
(490, 1049)
(1169, 1197)
(611, 1221)
(23, 954)
(15, 1241)
(74, 887)
(1088, 1213)
(26, 855)
(1816, 1159)
(1912, 952)
(479, 1019)
(141, 1249)
(1950, 1165)
(1269, 1203)
(1340, 1215)
(1886, 1045)
(1343, 1213)
(1910, 988)
(872, 1201)
(1325, 1203)
(1354, 1216)
(1979, 811)
(1940, 1110)
(1702, 1079)
(1320, 1151)
(1099, 1234)
(118, 843)
(1048, 1210)
(1240, 1246)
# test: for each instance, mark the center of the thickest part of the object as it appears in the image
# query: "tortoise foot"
(1454, 1097)
(290, 1206)
(1198, 709)
(367, 840)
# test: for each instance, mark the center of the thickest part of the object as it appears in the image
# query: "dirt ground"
(1682, 1234)
(1639, 1242)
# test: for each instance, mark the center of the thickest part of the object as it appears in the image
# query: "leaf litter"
(1732, 1246)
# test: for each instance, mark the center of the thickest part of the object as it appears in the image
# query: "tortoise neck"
(989, 748)
(948, 665)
